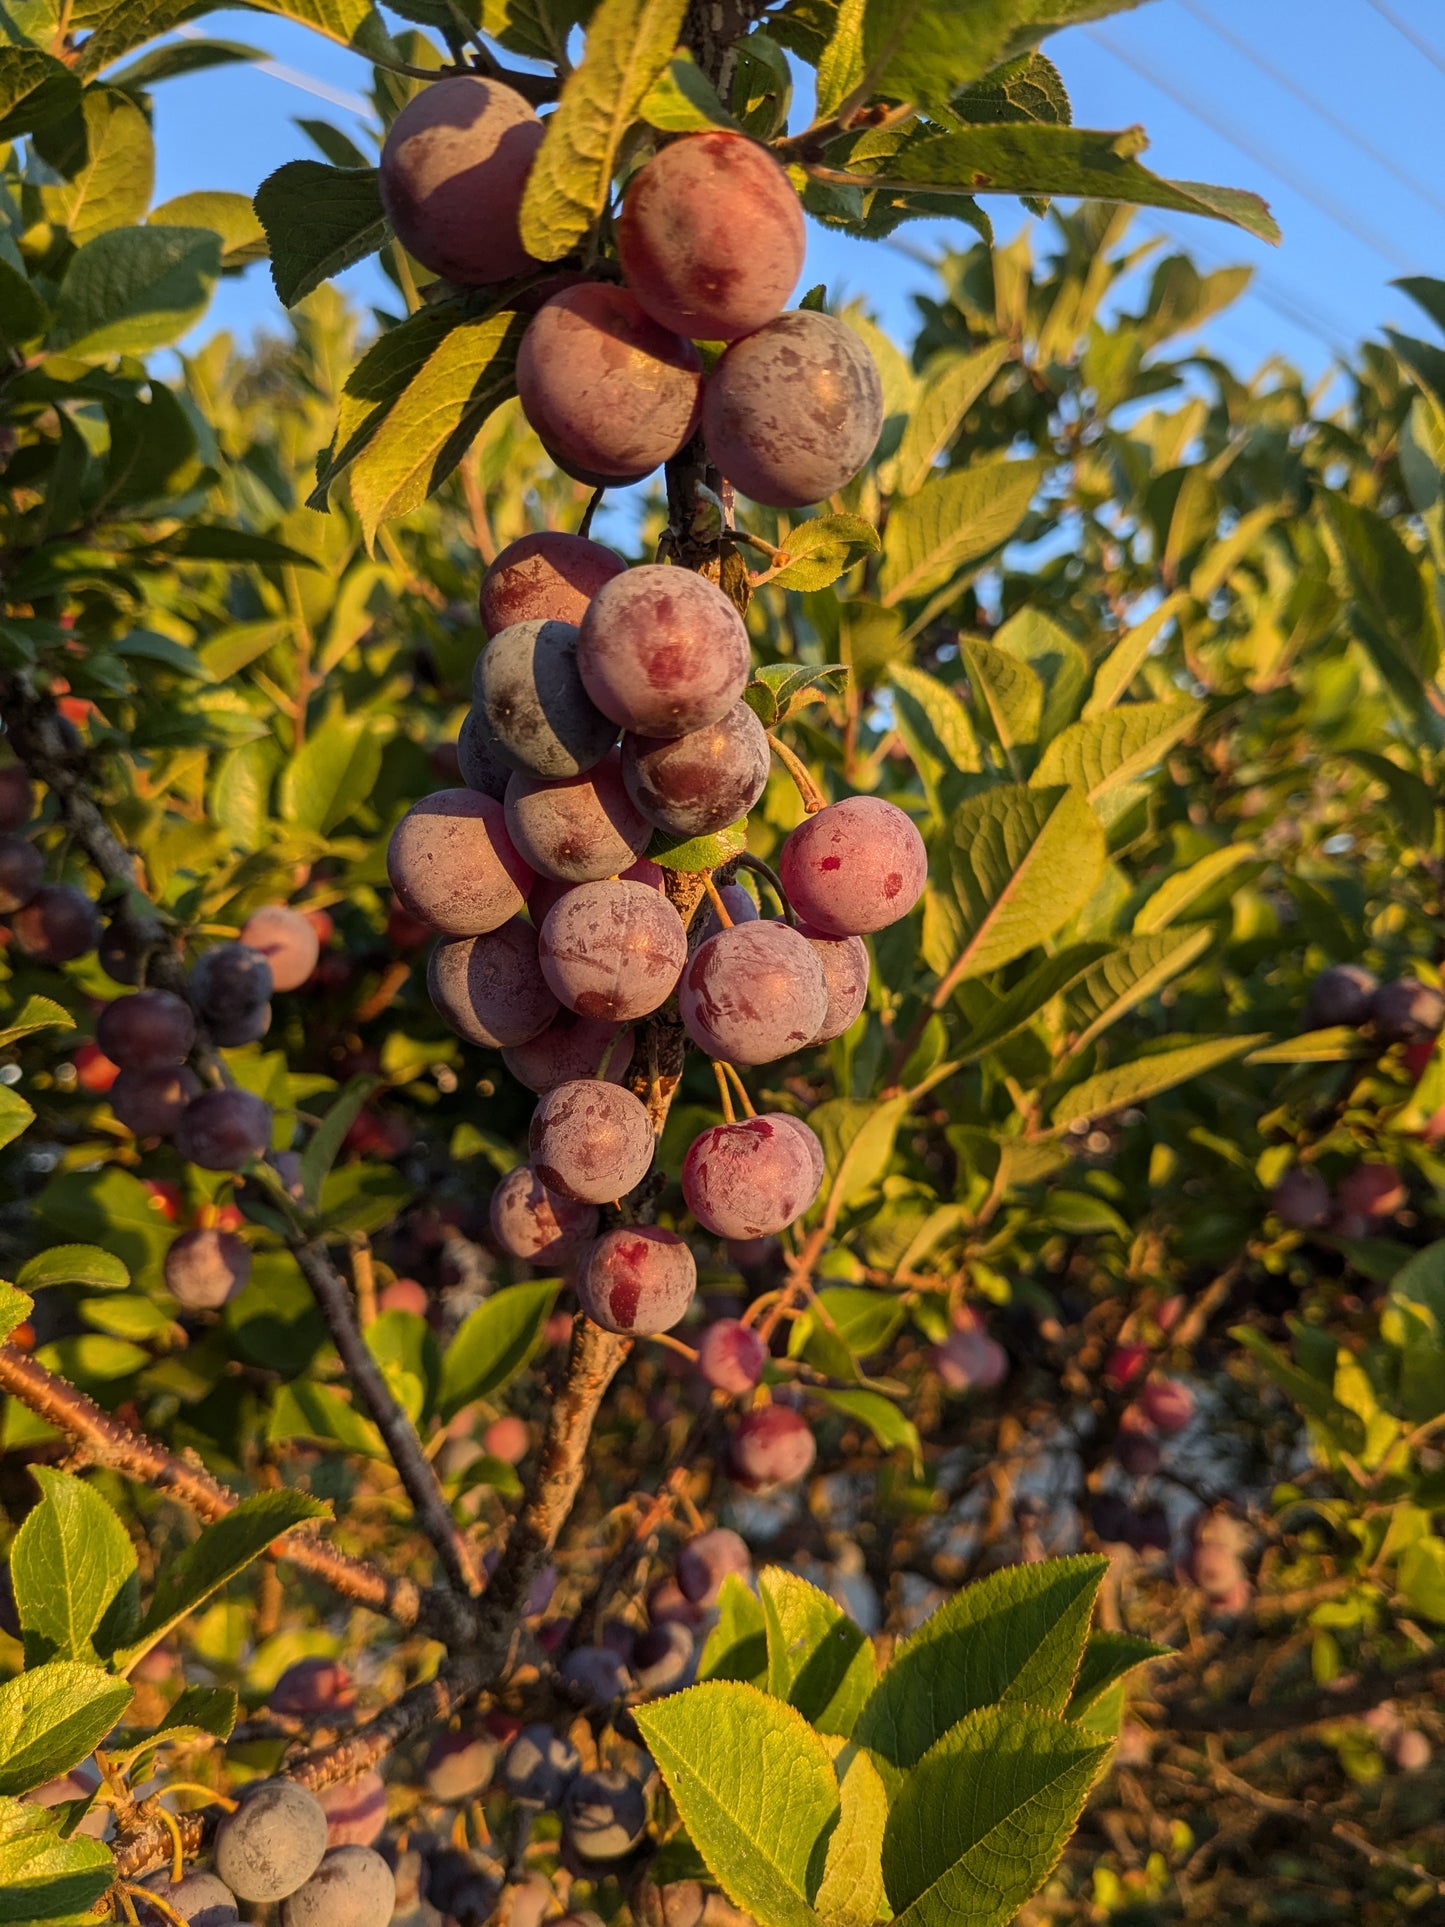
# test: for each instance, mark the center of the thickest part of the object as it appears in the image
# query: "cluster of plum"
(710, 245)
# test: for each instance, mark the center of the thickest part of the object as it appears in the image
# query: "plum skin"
(855, 867)
(460, 146)
(753, 993)
(570, 1048)
(287, 940)
(488, 988)
(577, 829)
(771, 1446)
(612, 950)
(591, 1142)
(205, 1268)
(539, 1226)
(695, 784)
(546, 576)
(749, 1179)
(530, 694)
(663, 652)
(453, 865)
(711, 236)
(637, 1278)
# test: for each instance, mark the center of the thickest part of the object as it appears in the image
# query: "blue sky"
(1223, 88)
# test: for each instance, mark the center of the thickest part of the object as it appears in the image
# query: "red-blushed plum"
(479, 764)
(528, 688)
(753, 994)
(1122, 1367)
(150, 1103)
(1340, 995)
(147, 1032)
(353, 1887)
(580, 828)
(855, 867)
(730, 1356)
(604, 1814)
(548, 891)
(355, 1811)
(222, 1131)
(637, 1278)
(711, 236)
(791, 413)
(532, 1223)
(1168, 1404)
(508, 1439)
(22, 871)
(286, 939)
(1375, 1191)
(405, 1294)
(612, 950)
(545, 577)
(17, 797)
(845, 971)
(488, 989)
(692, 785)
(459, 1766)
(312, 1689)
(663, 651)
(540, 1766)
(272, 1843)
(811, 1142)
(453, 171)
(206, 1267)
(749, 1179)
(230, 984)
(452, 863)
(57, 925)
(704, 1562)
(571, 1047)
(773, 1445)
(610, 394)
(1406, 1011)
(1301, 1200)
(662, 1658)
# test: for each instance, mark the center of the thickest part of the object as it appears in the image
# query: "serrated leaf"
(1099, 753)
(1108, 1658)
(536, 28)
(305, 1409)
(51, 1717)
(756, 1792)
(629, 44)
(1118, 669)
(1016, 1636)
(780, 689)
(1145, 1077)
(36, 90)
(954, 522)
(73, 1569)
(857, 1139)
(821, 550)
(318, 220)
(231, 216)
(15, 1115)
(493, 1344)
(818, 1660)
(1018, 1007)
(980, 1821)
(682, 100)
(950, 389)
(431, 425)
(859, 1320)
(111, 183)
(333, 772)
(1185, 890)
(1022, 861)
(1130, 975)
(1336, 1045)
(918, 50)
(737, 1646)
(936, 728)
(75, 1265)
(134, 289)
(1008, 691)
(375, 384)
(851, 1894)
(698, 852)
(45, 1879)
(327, 1139)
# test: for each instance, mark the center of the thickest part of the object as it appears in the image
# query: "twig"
(813, 798)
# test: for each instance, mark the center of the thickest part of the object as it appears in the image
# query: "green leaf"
(1016, 1636)
(73, 1568)
(1344, 1428)
(1422, 1577)
(375, 384)
(1186, 889)
(1029, 87)
(821, 550)
(951, 387)
(51, 1718)
(1009, 692)
(780, 689)
(698, 852)
(75, 1265)
(1108, 1658)
(24, 317)
(756, 1792)
(224, 1548)
(213, 542)
(35, 91)
(1391, 609)
(861, 1321)
(892, 1428)
(351, 23)
(333, 772)
(110, 1208)
(857, 1139)
(1099, 753)
(330, 1134)
(682, 100)
(737, 1646)
(307, 1410)
(918, 50)
(629, 45)
(1130, 975)
(936, 728)
(982, 1818)
(1018, 1008)
(1412, 800)
(182, 57)
(46, 1880)
(428, 430)
(536, 28)
(494, 1343)
(818, 1660)
(15, 1115)
(318, 220)
(954, 522)
(15, 1308)
(1144, 1077)
(1022, 862)
(231, 216)
(36, 1013)
(851, 1893)
(135, 288)
(110, 186)
(338, 148)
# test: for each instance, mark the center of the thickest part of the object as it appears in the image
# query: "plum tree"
(151, 1103)
(223, 1131)
(22, 871)
(730, 1356)
(147, 1032)
(791, 413)
(355, 1810)
(452, 863)
(205, 1268)
(230, 984)
(540, 1766)
(663, 651)
(753, 993)
(458, 145)
(272, 1843)
(610, 394)
(612, 951)
(1340, 995)
(287, 940)
(459, 1766)
(478, 763)
(845, 973)
(528, 689)
(637, 1278)
(773, 1445)
(571, 1047)
(752, 1178)
(532, 1223)
(488, 989)
(547, 576)
(704, 1562)
(855, 867)
(711, 236)
(56, 925)
(353, 1887)
(577, 829)
(694, 784)
(604, 1814)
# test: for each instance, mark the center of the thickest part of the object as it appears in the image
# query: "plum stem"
(674, 1345)
(724, 1093)
(719, 908)
(741, 1088)
(584, 527)
(813, 798)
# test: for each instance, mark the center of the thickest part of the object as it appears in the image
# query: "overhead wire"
(1407, 32)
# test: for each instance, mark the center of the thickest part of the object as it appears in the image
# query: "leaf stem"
(813, 798)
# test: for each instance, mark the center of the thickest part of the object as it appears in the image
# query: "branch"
(417, 1474)
(106, 1441)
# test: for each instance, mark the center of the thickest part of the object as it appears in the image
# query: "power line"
(1345, 128)
(1261, 155)
(1407, 32)
(291, 77)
